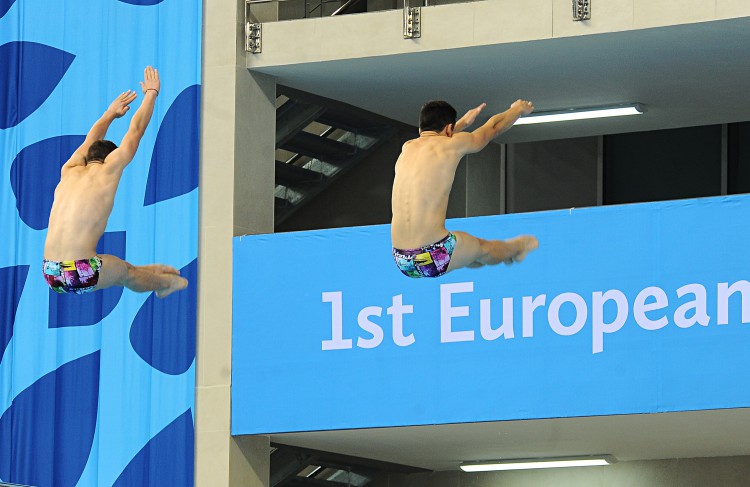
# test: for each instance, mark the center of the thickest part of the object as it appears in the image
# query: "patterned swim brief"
(72, 276)
(428, 261)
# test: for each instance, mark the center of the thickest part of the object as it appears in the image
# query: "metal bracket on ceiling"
(412, 21)
(581, 9)
(253, 30)
(253, 37)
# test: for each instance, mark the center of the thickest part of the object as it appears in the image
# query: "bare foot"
(176, 284)
(160, 269)
(524, 244)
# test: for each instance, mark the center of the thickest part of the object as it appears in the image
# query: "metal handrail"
(342, 9)
(317, 8)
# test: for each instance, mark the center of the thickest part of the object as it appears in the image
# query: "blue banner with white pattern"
(622, 310)
(98, 390)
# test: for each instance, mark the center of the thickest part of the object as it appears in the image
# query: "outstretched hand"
(468, 118)
(472, 114)
(150, 80)
(121, 105)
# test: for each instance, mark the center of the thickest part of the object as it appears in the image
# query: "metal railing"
(260, 11)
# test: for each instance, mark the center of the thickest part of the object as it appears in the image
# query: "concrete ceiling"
(686, 75)
(688, 434)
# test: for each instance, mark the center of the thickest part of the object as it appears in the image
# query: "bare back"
(424, 176)
(83, 202)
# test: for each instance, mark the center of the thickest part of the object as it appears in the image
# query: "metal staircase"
(318, 140)
(302, 467)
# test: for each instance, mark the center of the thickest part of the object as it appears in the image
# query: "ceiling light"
(582, 113)
(530, 463)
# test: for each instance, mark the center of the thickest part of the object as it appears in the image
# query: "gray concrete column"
(237, 154)
(255, 139)
(457, 199)
(477, 188)
(484, 192)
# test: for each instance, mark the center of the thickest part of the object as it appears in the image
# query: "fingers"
(127, 96)
(524, 104)
(150, 73)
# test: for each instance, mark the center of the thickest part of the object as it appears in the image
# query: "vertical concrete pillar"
(477, 188)
(457, 199)
(255, 147)
(484, 191)
(236, 187)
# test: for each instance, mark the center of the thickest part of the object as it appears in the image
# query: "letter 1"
(337, 341)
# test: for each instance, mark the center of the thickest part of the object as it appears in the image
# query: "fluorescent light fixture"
(582, 113)
(531, 463)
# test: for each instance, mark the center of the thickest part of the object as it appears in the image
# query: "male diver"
(422, 246)
(83, 202)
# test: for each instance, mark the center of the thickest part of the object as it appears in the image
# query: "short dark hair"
(99, 150)
(435, 115)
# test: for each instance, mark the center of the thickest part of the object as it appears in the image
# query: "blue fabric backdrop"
(97, 390)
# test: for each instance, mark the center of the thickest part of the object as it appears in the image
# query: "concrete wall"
(553, 174)
(691, 472)
(481, 23)
(237, 147)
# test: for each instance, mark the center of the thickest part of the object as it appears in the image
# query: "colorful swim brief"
(428, 261)
(72, 276)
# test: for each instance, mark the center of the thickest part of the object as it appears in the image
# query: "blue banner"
(98, 390)
(625, 309)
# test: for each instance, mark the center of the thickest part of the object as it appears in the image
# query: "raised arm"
(471, 142)
(117, 109)
(468, 118)
(121, 157)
